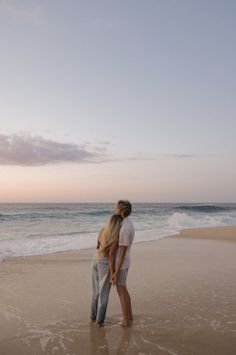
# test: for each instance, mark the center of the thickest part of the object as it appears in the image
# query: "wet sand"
(183, 291)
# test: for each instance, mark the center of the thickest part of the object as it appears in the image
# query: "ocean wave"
(66, 215)
(29, 216)
(96, 213)
(57, 234)
(31, 229)
(204, 208)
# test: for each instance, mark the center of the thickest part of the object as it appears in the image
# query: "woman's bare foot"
(99, 325)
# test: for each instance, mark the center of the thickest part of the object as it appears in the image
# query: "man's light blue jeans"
(101, 288)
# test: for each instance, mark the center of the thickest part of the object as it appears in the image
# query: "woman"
(103, 267)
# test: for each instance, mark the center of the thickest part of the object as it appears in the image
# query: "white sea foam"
(41, 229)
(46, 245)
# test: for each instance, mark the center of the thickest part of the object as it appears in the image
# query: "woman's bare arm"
(100, 235)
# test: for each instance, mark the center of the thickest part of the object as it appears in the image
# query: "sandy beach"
(183, 291)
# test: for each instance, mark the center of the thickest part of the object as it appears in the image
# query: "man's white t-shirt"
(126, 237)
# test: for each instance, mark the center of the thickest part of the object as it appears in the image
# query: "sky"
(102, 100)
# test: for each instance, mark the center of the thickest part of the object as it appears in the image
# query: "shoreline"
(182, 290)
(224, 233)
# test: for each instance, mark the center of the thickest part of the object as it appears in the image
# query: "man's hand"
(113, 278)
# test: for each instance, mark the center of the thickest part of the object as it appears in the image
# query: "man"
(126, 237)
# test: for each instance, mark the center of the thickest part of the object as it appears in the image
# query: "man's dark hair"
(125, 207)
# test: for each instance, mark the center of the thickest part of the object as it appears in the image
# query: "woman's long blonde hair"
(111, 233)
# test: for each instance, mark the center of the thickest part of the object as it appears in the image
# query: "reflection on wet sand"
(150, 334)
(98, 341)
(104, 341)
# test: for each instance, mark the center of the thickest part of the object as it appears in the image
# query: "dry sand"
(183, 292)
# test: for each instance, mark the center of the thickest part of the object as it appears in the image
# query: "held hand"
(113, 279)
(113, 282)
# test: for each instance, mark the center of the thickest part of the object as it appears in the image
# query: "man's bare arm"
(121, 257)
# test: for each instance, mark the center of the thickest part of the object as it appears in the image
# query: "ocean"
(31, 229)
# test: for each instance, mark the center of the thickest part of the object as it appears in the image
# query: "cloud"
(189, 156)
(17, 9)
(27, 150)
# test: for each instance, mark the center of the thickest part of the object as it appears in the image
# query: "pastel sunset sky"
(108, 99)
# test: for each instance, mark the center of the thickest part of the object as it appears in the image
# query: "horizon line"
(112, 202)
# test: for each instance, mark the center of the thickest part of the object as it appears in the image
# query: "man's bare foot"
(92, 321)
(124, 324)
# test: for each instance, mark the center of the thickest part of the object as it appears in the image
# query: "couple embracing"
(111, 264)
